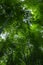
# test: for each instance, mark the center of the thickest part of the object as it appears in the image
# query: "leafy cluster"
(21, 32)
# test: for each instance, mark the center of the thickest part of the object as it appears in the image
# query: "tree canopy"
(21, 32)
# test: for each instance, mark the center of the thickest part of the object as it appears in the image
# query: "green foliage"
(21, 32)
